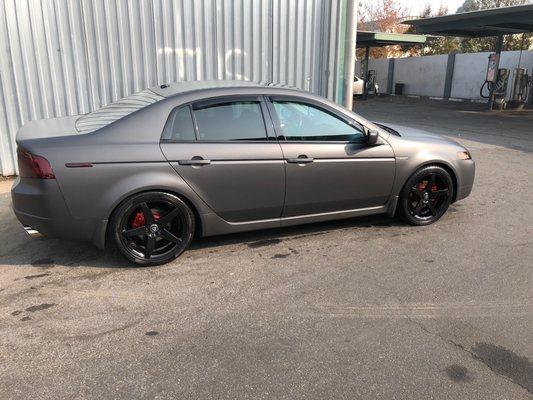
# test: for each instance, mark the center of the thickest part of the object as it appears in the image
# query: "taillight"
(32, 166)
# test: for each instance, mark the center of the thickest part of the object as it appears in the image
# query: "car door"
(329, 165)
(224, 150)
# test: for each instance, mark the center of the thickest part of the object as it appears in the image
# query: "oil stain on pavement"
(458, 373)
(40, 307)
(36, 276)
(504, 362)
(263, 243)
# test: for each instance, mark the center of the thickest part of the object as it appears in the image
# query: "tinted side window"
(301, 121)
(240, 120)
(179, 126)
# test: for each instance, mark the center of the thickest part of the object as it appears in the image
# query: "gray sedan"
(154, 169)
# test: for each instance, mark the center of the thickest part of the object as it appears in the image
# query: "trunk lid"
(45, 128)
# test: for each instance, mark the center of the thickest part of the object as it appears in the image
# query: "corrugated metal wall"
(68, 57)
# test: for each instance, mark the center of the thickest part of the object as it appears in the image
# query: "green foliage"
(384, 15)
(473, 5)
(434, 45)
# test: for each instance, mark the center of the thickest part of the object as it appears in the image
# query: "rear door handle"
(196, 160)
(302, 159)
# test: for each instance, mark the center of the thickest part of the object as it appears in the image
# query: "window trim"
(322, 107)
(270, 134)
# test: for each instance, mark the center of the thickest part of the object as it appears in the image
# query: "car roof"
(179, 88)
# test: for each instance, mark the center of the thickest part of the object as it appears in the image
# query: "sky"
(416, 6)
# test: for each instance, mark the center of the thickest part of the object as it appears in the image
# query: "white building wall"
(422, 76)
(426, 76)
(471, 69)
(468, 75)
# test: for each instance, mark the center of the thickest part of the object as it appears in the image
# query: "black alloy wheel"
(426, 196)
(153, 228)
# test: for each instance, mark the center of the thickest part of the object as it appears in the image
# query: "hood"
(414, 133)
(45, 128)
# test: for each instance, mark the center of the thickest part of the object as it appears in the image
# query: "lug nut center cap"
(154, 228)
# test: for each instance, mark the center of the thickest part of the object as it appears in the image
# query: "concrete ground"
(366, 308)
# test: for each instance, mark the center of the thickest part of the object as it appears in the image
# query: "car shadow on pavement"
(44, 253)
(261, 238)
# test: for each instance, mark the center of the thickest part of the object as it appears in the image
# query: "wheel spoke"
(432, 208)
(416, 192)
(441, 192)
(169, 217)
(170, 236)
(150, 243)
(418, 207)
(135, 232)
(431, 182)
(148, 216)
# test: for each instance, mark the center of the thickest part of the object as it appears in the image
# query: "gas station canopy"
(366, 40)
(495, 22)
(491, 22)
(380, 39)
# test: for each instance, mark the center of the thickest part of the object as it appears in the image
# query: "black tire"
(426, 196)
(152, 228)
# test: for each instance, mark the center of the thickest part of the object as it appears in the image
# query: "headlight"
(464, 155)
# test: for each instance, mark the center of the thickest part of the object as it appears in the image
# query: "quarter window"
(231, 121)
(179, 126)
(305, 122)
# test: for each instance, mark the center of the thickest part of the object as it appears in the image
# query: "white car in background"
(358, 87)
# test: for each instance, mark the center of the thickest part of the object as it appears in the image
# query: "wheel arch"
(195, 208)
(438, 163)
(448, 168)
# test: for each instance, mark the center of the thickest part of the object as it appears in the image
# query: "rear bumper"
(39, 205)
(32, 232)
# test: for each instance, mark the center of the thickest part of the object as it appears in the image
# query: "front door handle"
(196, 160)
(301, 159)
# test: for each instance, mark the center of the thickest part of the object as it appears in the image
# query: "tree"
(434, 45)
(511, 42)
(381, 16)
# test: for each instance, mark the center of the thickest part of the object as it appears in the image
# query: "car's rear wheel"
(153, 228)
(426, 196)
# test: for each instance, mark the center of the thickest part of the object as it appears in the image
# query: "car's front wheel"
(426, 196)
(152, 228)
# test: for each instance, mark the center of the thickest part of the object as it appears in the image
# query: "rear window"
(179, 127)
(115, 111)
(239, 120)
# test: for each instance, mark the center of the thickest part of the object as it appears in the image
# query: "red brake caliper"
(422, 187)
(139, 221)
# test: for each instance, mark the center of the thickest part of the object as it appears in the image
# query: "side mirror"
(372, 137)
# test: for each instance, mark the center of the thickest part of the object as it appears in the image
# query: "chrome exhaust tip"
(32, 232)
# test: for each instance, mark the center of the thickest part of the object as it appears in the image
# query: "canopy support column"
(499, 48)
(365, 73)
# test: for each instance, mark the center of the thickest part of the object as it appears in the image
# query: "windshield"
(115, 111)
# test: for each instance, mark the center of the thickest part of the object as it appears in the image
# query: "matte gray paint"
(246, 186)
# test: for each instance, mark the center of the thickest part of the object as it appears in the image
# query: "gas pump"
(496, 82)
(371, 85)
(520, 89)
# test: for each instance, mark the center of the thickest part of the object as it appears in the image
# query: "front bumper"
(466, 172)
